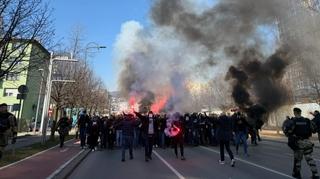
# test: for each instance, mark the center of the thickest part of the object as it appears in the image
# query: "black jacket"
(224, 131)
(145, 123)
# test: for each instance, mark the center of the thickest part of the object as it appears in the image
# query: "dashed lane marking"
(250, 163)
(179, 175)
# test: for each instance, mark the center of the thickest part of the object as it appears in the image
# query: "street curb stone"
(69, 168)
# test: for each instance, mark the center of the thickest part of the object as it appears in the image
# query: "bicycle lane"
(43, 164)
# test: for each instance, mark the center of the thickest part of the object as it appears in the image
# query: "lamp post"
(92, 45)
(45, 116)
(38, 104)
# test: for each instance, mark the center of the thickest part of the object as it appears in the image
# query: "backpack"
(4, 123)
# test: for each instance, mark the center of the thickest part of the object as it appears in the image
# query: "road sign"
(21, 96)
(23, 89)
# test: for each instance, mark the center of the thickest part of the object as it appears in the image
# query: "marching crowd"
(165, 131)
(150, 130)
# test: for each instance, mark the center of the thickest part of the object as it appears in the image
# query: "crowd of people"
(166, 131)
(174, 130)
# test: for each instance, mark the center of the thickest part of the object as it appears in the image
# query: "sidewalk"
(43, 164)
(273, 136)
(25, 139)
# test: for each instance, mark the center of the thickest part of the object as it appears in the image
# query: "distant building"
(36, 60)
(118, 103)
(302, 78)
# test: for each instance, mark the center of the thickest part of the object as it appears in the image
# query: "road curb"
(284, 142)
(66, 170)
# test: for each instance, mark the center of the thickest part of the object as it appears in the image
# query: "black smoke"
(257, 87)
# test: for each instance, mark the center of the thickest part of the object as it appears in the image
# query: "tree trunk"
(54, 124)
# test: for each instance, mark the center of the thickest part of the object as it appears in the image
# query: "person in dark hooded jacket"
(224, 135)
(316, 121)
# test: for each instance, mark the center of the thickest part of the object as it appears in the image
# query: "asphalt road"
(268, 160)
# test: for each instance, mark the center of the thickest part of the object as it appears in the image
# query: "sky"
(101, 21)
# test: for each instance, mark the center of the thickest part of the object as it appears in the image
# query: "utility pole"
(45, 111)
(38, 104)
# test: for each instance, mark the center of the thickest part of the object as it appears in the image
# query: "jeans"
(226, 144)
(127, 142)
(161, 139)
(83, 136)
(178, 140)
(148, 144)
(242, 137)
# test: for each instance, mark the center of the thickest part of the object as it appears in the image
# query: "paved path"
(41, 165)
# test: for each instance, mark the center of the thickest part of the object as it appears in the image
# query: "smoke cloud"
(194, 42)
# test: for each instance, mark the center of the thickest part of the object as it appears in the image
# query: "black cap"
(298, 110)
(3, 105)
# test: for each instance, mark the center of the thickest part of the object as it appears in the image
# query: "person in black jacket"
(127, 126)
(93, 133)
(83, 122)
(316, 121)
(63, 128)
(224, 135)
(241, 132)
(178, 139)
(148, 129)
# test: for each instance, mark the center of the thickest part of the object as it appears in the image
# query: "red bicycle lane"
(43, 164)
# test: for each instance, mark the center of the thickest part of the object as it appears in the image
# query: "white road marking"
(179, 175)
(253, 164)
(64, 165)
(15, 163)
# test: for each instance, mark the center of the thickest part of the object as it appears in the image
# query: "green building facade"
(37, 60)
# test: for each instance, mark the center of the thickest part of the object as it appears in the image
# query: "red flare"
(159, 104)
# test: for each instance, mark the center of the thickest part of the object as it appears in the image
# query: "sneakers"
(221, 162)
(182, 158)
(123, 160)
(233, 163)
(131, 158)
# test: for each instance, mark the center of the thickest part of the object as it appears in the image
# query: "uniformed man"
(300, 129)
(8, 127)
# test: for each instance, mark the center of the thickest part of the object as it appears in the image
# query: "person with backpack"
(8, 127)
(299, 130)
(63, 128)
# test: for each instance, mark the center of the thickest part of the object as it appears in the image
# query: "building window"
(10, 92)
(12, 77)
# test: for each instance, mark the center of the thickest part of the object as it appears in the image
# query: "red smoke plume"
(159, 104)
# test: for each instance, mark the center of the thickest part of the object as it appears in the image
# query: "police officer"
(8, 127)
(300, 129)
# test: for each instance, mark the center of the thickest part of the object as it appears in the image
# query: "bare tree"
(22, 22)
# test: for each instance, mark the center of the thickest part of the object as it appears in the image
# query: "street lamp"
(44, 118)
(92, 45)
(38, 104)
